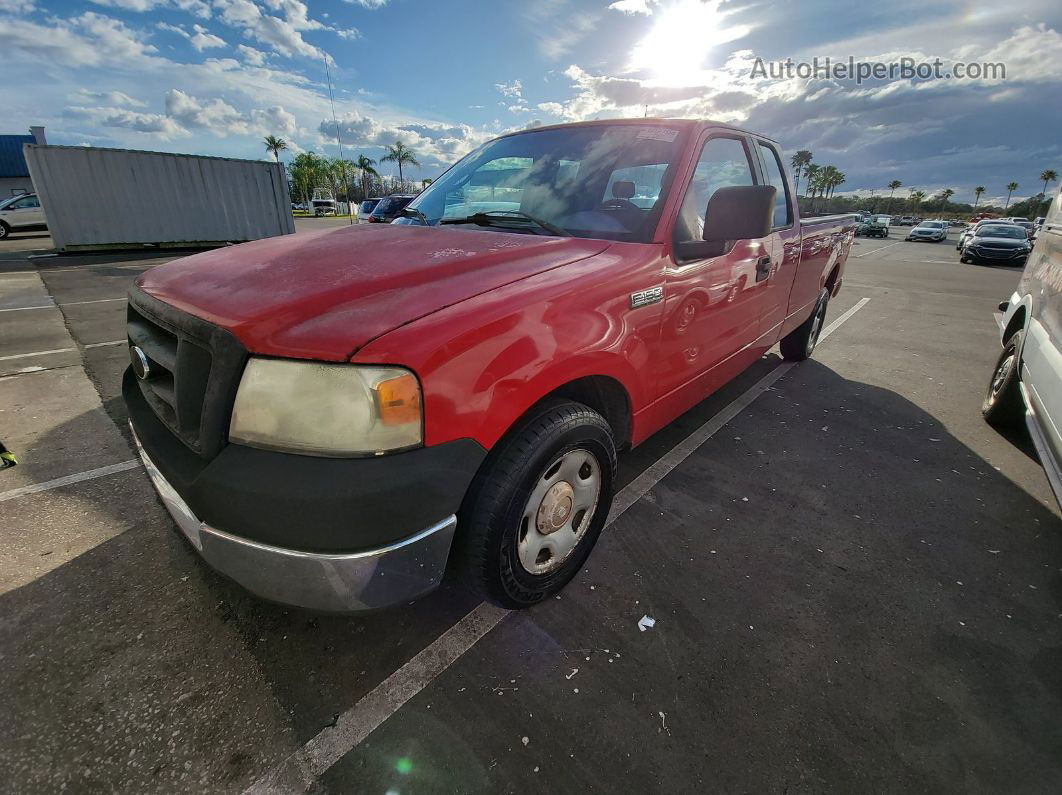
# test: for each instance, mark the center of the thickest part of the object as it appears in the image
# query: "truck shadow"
(886, 458)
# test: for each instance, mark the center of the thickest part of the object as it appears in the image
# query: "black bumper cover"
(304, 502)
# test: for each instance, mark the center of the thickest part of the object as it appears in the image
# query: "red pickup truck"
(334, 418)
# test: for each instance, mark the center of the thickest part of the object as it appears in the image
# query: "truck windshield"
(601, 181)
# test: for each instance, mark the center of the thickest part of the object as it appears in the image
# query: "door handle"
(763, 268)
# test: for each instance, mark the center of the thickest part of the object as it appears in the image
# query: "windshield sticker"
(658, 134)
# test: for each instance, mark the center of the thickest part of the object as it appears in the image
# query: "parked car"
(459, 389)
(21, 214)
(870, 227)
(1026, 384)
(969, 232)
(934, 231)
(1028, 226)
(365, 209)
(905, 220)
(389, 208)
(1006, 243)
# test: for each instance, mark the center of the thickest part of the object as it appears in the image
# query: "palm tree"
(977, 194)
(892, 186)
(945, 194)
(274, 145)
(1011, 187)
(364, 166)
(916, 199)
(799, 161)
(1048, 175)
(400, 154)
(811, 171)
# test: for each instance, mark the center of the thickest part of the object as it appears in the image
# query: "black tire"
(492, 521)
(800, 343)
(5, 230)
(963, 258)
(1003, 405)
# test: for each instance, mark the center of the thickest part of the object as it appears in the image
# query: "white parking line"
(53, 304)
(58, 350)
(35, 353)
(77, 477)
(876, 250)
(104, 344)
(298, 771)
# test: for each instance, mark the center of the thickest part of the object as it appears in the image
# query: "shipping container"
(121, 198)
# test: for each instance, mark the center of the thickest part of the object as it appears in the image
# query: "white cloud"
(17, 6)
(198, 7)
(372, 5)
(283, 34)
(113, 98)
(88, 40)
(251, 55)
(558, 27)
(511, 90)
(200, 38)
(631, 7)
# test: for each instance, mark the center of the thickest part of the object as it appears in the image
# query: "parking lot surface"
(856, 585)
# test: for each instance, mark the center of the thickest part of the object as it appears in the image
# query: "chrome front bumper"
(343, 583)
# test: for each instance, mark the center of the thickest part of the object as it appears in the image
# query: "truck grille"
(194, 369)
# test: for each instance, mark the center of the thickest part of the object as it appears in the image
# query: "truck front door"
(712, 306)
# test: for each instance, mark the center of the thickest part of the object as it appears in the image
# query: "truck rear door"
(713, 305)
(783, 243)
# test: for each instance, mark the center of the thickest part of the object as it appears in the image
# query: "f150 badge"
(652, 295)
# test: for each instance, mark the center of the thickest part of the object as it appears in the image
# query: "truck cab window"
(723, 162)
(783, 213)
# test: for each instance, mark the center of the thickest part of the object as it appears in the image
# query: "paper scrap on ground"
(646, 623)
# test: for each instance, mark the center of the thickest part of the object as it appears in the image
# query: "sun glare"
(683, 34)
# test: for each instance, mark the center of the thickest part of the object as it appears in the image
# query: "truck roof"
(647, 122)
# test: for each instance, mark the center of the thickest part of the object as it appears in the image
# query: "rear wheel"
(799, 343)
(537, 507)
(1003, 405)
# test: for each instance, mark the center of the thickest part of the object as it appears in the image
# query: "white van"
(1027, 382)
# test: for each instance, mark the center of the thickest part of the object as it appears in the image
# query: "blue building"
(14, 175)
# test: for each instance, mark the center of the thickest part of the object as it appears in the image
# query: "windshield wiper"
(418, 214)
(492, 217)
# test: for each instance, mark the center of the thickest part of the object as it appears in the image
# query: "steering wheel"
(619, 204)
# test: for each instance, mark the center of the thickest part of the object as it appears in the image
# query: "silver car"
(934, 231)
(21, 214)
(1026, 385)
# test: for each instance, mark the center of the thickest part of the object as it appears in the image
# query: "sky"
(214, 76)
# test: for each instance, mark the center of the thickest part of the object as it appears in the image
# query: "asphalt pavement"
(855, 584)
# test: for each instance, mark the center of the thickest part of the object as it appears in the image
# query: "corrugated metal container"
(115, 198)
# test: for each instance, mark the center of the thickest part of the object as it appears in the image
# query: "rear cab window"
(783, 208)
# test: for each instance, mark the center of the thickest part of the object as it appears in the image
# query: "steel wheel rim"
(816, 327)
(1002, 371)
(559, 511)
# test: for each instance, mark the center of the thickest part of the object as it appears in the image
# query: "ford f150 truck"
(334, 418)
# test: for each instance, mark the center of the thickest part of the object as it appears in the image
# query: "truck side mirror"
(739, 212)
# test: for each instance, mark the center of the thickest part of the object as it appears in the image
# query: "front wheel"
(1003, 405)
(538, 505)
(799, 343)
(5, 230)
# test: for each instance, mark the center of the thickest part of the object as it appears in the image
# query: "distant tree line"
(347, 180)
(820, 181)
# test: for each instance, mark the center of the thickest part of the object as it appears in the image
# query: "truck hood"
(323, 295)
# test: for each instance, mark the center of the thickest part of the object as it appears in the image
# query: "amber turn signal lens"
(398, 400)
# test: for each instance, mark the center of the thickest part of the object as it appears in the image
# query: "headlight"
(326, 409)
